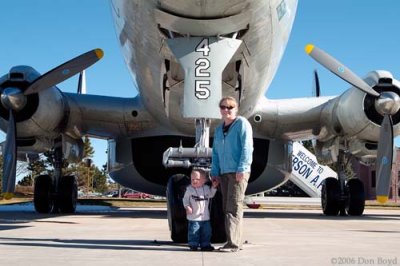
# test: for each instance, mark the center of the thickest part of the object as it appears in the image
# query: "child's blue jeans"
(199, 233)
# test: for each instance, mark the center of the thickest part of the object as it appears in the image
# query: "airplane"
(184, 56)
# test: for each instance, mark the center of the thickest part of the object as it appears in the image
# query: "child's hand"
(189, 210)
(215, 183)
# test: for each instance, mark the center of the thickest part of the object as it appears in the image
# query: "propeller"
(64, 71)
(9, 159)
(339, 69)
(384, 159)
(317, 88)
(14, 100)
(386, 103)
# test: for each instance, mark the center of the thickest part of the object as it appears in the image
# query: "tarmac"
(98, 235)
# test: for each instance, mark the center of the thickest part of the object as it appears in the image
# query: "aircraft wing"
(350, 118)
(290, 119)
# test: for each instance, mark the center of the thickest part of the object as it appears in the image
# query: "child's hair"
(203, 173)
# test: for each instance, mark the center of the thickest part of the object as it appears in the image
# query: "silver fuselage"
(144, 48)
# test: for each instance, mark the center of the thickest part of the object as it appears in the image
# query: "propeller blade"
(317, 88)
(339, 69)
(65, 71)
(384, 159)
(9, 159)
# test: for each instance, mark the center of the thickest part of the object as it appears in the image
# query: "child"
(196, 201)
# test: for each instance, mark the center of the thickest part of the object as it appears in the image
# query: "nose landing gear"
(199, 156)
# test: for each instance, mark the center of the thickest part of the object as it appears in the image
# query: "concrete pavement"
(139, 236)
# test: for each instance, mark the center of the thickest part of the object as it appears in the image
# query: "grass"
(150, 203)
(112, 202)
(123, 203)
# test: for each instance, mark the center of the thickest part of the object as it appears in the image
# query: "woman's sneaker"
(228, 248)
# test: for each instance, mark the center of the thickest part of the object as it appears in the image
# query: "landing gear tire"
(42, 197)
(330, 196)
(217, 219)
(355, 202)
(68, 194)
(175, 211)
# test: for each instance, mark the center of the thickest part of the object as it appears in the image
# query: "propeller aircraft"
(184, 56)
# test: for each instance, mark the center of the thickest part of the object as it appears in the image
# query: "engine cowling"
(40, 121)
(354, 116)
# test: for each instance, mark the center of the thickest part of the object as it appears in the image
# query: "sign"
(307, 173)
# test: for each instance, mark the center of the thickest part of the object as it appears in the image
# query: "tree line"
(89, 177)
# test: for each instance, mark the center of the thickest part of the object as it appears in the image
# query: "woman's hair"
(230, 99)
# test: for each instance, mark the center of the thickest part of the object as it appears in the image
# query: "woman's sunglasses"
(223, 107)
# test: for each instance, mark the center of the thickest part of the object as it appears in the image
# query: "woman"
(231, 161)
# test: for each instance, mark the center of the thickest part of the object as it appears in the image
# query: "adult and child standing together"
(232, 155)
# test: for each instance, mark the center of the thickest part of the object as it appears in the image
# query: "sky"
(364, 35)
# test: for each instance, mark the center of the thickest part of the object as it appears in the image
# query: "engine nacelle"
(353, 114)
(327, 151)
(46, 121)
(41, 119)
(363, 149)
(72, 148)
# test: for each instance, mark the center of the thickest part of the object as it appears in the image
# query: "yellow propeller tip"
(99, 53)
(309, 48)
(382, 199)
(8, 195)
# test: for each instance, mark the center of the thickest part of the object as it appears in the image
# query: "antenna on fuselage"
(82, 83)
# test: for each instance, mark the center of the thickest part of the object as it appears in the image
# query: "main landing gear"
(57, 193)
(339, 196)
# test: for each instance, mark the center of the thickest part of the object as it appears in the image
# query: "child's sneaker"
(208, 248)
